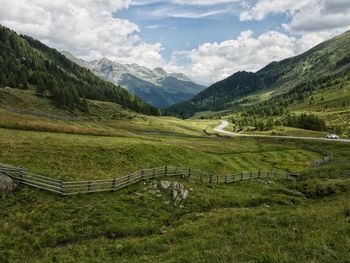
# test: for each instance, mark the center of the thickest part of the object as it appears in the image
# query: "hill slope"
(327, 61)
(26, 62)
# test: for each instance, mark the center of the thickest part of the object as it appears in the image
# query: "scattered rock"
(174, 194)
(7, 185)
(266, 182)
(164, 185)
(152, 192)
(163, 229)
(176, 191)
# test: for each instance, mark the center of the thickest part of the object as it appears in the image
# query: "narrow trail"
(220, 129)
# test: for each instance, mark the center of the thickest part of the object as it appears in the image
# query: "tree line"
(26, 62)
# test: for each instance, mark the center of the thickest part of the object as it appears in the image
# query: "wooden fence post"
(241, 176)
(113, 185)
(142, 174)
(89, 186)
(259, 173)
(21, 173)
(189, 172)
(62, 187)
(166, 170)
(128, 179)
(210, 178)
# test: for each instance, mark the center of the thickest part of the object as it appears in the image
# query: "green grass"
(258, 221)
(331, 104)
(288, 131)
(249, 221)
(75, 156)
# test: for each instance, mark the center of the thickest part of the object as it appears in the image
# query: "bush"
(305, 121)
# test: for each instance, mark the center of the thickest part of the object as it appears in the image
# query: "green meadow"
(254, 221)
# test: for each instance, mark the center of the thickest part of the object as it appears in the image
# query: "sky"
(207, 40)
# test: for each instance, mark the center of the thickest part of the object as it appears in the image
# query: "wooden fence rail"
(62, 187)
(327, 155)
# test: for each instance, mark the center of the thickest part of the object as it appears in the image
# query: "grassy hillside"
(26, 62)
(328, 102)
(279, 84)
(296, 222)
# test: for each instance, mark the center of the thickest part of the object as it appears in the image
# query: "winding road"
(221, 129)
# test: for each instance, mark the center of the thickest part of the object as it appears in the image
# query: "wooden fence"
(327, 156)
(92, 186)
(320, 174)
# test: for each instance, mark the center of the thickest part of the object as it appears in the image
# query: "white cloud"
(264, 7)
(152, 26)
(86, 28)
(331, 16)
(215, 61)
(203, 2)
(185, 2)
(195, 15)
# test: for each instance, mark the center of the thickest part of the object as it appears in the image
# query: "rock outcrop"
(175, 191)
(6, 184)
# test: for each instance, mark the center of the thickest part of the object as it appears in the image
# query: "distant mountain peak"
(155, 86)
(181, 76)
(161, 71)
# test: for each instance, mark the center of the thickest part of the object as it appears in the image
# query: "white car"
(333, 136)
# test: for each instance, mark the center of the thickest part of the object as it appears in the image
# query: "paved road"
(220, 129)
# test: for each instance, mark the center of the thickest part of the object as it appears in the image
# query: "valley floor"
(255, 221)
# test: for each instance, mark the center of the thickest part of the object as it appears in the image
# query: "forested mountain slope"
(26, 62)
(327, 61)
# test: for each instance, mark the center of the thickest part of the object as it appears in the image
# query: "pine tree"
(40, 87)
(84, 105)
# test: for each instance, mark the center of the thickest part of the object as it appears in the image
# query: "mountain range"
(27, 63)
(157, 87)
(279, 84)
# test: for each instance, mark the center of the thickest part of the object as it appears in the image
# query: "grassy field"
(241, 222)
(75, 156)
(258, 221)
(281, 131)
(330, 104)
